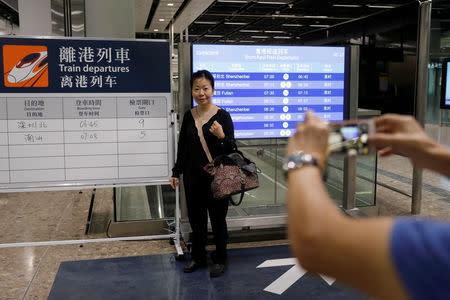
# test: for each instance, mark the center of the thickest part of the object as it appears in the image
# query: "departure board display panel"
(268, 89)
(445, 84)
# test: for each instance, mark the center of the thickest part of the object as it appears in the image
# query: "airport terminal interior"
(122, 239)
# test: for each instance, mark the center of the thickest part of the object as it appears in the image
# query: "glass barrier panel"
(138, 203)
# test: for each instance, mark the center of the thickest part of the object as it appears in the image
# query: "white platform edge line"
(286, 280)
(278, 262)
(72, 242)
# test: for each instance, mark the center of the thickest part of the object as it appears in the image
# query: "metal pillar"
(186, 35)
(349, 199)
(67, 18)
(171, 36)
(423, 46)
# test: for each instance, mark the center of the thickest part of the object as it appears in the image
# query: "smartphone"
(349, 138)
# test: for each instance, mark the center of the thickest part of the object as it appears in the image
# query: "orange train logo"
(25, 66)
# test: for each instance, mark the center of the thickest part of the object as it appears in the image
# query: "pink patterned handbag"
(233, 174)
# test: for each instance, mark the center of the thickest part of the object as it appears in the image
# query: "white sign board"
(84, 134)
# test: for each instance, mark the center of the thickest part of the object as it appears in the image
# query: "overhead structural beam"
(12, 4)
(151, 14)
(142, 9)
(190, 13)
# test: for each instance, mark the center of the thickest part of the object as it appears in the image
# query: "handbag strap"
(242, 193)
(199, 124)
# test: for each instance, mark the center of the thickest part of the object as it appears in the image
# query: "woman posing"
(216, 126)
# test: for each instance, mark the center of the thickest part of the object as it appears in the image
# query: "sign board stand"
(85, 113)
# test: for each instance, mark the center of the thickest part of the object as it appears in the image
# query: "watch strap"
(297, 160)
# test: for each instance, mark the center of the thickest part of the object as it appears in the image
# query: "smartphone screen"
(350, 138)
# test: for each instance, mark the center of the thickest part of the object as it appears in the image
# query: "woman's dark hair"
(202, 74)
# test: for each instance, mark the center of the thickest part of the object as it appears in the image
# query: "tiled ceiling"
(287, 21)
(278, 21)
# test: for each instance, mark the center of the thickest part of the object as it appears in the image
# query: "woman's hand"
(311, 137)
(174, 182)
(217, 130)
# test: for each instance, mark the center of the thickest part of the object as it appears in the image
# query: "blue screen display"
(267, 89)
(447, 89)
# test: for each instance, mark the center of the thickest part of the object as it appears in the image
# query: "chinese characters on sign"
(93, 61)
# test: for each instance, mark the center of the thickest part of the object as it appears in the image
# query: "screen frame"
(444, 85)
(347, 76)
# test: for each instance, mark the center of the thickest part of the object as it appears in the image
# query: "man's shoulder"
(418, 247)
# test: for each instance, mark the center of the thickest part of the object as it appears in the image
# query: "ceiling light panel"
(206, 22)
(319, 25)
(249, 30)
(316, 17)
(273, 2)
(291, 25)
(235, 23)
(380, 6)
(282, 37)
(231, 1)
(283, 16)
(347, 5)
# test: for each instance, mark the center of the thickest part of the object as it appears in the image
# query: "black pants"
(200, 203)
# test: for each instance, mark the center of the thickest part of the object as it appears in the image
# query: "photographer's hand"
(311, 137)
(403, 135)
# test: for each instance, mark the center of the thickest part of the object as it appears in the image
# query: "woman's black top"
(191, 158)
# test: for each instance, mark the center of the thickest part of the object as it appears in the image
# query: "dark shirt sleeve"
(181, 152)
(420, 252)
(218, 146)
(227, 144)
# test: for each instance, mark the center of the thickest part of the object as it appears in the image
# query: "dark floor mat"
(162, 277)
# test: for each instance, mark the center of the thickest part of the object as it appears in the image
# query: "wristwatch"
(297, 160)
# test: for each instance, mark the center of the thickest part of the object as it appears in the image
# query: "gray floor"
(29, 272)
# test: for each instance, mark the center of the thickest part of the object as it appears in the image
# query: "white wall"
(110, 18)
(35, 17)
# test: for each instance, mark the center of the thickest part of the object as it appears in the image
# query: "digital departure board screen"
(267, 89)
(445, 84)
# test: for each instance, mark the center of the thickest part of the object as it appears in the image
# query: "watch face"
(307, 158)
(297, 160)
(290, 165)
